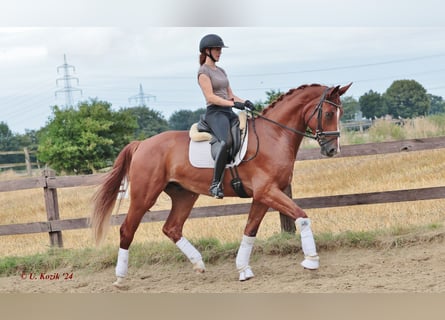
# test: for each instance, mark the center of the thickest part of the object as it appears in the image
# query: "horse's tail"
(105, 197)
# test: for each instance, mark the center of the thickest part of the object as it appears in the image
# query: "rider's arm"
(232, 96)
(211, 98)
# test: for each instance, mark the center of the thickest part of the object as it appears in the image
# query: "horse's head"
(323, 119)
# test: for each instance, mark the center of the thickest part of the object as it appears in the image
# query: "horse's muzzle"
(329, 142)
(329, 153)
(330, 148)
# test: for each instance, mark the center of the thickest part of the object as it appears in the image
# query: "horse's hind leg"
(182, 203)
(139, 205)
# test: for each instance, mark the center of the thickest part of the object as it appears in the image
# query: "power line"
(353, 66)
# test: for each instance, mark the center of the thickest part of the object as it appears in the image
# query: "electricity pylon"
(68, 89)
(140, 98)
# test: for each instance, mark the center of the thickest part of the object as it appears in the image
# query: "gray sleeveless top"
(218, 78)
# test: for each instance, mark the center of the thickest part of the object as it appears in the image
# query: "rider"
(219, 100)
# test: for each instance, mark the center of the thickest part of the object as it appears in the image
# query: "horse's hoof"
(311, 263)
(120, 283)
(246, 274)
(199, 267)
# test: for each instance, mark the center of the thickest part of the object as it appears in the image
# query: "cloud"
(22, 55)
(111, 62)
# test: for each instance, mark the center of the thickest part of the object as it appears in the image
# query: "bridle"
(320, 135)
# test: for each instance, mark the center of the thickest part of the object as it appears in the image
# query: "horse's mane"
(290, 92)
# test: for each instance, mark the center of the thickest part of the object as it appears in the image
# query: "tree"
(437, 104)
(183, 119)
(371, 105)
(272, 95)
(406, 99)
(29, 139)
(149, 122)
(84, 139)
(8, 142)
(7, 139)
(16, 142)
(350, 107)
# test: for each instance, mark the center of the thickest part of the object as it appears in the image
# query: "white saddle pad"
(200, 155)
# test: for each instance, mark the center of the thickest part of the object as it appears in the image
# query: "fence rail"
(54, 225)
(28, 164)
(238, 209)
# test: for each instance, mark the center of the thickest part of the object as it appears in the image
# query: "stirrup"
(216, 190)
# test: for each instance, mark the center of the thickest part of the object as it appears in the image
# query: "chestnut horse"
(161, 163)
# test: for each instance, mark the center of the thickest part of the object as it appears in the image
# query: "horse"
(160, 163)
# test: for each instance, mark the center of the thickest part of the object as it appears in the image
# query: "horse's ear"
(342, 90)
(333, 91)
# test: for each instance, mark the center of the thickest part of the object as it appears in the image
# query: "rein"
(319, 133)
(305, 134)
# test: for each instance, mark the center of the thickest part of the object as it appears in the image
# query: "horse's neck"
(289, 112)
(291, 117)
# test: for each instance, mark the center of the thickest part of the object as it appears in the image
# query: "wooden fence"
(54, 225)
(28, 164)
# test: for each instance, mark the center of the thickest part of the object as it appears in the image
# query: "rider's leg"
(219, 121)
(216, 189)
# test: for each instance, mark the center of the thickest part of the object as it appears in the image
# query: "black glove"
(239, 105)
(249, 105)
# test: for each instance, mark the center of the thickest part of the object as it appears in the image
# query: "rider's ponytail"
(202, 58)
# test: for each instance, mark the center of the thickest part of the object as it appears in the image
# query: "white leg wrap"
(192, 254)
(243, 258)
(122, 263)
(311, 260)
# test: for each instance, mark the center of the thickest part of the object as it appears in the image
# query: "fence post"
(287, 223)
(28, 161)
(52, 207)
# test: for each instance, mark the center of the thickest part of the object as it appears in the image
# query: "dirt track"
(417, 266)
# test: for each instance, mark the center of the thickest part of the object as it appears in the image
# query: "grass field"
(311, 178)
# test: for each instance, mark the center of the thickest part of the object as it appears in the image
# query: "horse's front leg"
(256, 215)
(277, 199)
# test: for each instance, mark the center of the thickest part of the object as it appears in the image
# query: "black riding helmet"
(211, 41)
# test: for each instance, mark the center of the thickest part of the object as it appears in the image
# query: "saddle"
(201, 131)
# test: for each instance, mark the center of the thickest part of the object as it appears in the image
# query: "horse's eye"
(329, 115)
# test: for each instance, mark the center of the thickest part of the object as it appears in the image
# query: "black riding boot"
(216, 189)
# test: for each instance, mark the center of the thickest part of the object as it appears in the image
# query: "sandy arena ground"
(418, 266)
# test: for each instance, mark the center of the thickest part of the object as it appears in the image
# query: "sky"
(115, 49)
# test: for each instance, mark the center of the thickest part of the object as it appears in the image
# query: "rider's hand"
(238, 105)
(249, 105)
